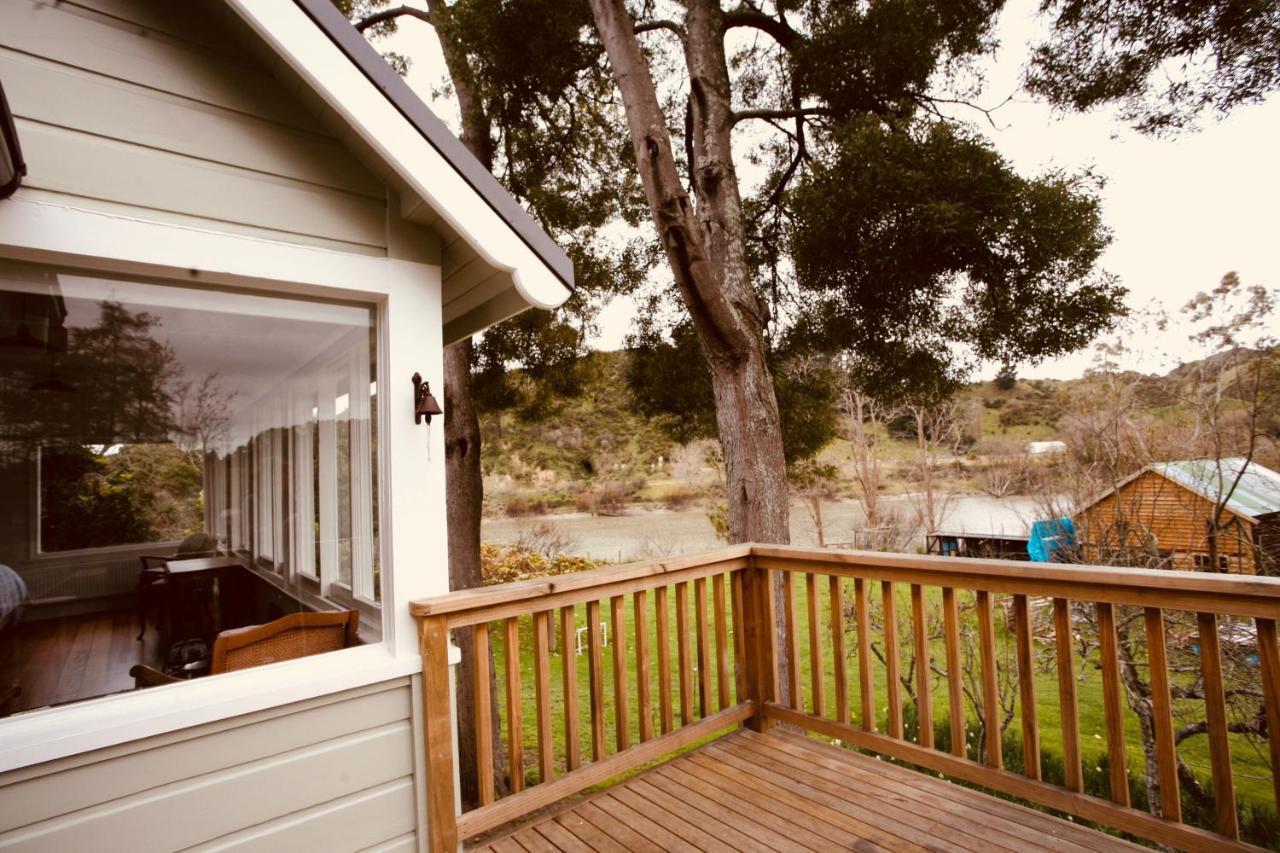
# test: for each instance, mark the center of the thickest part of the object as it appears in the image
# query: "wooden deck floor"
(783, 792)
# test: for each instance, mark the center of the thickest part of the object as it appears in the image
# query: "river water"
(645, 534)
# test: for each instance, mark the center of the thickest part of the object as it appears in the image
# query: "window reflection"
(177, 463)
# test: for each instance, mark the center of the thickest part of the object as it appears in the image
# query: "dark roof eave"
(353, 45)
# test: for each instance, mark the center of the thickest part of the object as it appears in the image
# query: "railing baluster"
(955, 683)
(924, 701)
(1027, 686)
(862, 604)
(739, 637)
(569, 657)
(542, 691)
(686, 662)
(622, 723)
(484, 712)
(1067, 695)
(838, 652)
(704, 646)
(818, 678)
(515, 730)
(991, 712)
(792, 651)
(1215, 705)
(1270, 660)
(641, 604)
(891, 668)
(595, 666)
(664, 659)
(1162, 716)
(1112, 702)
(722, 641)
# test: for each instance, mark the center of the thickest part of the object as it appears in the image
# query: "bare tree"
(867, 417)
(201, 414)
(1235, 389)
(937, 434)
(814, 482)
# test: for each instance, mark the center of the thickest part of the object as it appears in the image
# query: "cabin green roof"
(1256, 494)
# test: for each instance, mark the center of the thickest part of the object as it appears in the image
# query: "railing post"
(437, 708)
(759, 642)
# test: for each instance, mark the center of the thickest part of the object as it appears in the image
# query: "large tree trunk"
(706, 250)
(464, 479)
(465, 495)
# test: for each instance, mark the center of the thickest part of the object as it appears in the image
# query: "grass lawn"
(1251, 769)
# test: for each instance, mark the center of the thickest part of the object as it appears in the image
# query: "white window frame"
(408, 300)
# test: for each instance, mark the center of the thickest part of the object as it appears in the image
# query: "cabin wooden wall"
(1267, 542)
(333, 773)
(1154, 512)
(150, 110)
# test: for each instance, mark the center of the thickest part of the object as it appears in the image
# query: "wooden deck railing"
(729, 640)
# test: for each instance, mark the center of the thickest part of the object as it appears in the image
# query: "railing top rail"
(1212, 583)
(539, 588)
(1247, 595)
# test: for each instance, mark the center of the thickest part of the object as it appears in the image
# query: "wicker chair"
(294, 636)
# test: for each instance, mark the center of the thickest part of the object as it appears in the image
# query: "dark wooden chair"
(153, 577)
(294, 636)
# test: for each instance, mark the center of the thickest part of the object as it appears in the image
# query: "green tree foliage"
(122, 495)
(887, 229)
(1163, 63)
(920, 239)
(667, 378)
(551, 133)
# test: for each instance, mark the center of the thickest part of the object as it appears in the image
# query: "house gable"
(496, 261)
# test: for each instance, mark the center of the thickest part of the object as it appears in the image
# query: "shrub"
(517, 505)
(544, 538)
(678, 499)
(608, 498)
(504, 564)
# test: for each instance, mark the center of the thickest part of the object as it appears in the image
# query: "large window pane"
(143, 425)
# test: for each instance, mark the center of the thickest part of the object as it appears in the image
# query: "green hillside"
(578, 450)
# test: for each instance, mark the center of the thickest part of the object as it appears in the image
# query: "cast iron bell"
(424, 403)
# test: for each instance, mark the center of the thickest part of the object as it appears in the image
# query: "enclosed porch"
(653, 706)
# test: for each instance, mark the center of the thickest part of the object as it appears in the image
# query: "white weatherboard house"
(238, 237)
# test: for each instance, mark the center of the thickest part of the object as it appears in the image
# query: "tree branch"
(800, 112)
(662, 24)
(391, 14)
(1256, 726)
(930, 103)
(749, 16)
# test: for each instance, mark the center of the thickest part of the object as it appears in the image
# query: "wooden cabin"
(1160, 516)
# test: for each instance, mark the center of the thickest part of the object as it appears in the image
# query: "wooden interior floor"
(76, 657)
(783, 792)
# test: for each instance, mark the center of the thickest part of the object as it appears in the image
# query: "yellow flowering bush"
(503, 564)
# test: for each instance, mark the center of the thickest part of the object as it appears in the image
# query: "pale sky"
(1182, 211)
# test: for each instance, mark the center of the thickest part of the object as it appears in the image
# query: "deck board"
(781, 791)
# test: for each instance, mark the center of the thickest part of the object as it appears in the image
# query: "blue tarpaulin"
(1049, 536)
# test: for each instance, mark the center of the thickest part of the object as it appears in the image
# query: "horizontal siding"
(122, 111)
(262, 782)
(352, 823)
(153, 109)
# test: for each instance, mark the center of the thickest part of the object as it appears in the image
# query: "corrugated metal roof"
(1257, 493)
